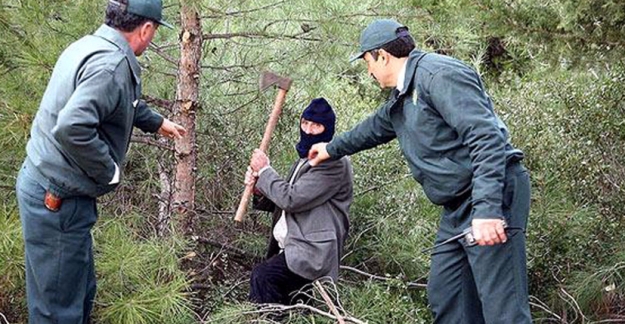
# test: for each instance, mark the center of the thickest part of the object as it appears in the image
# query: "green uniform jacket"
(444, 121)
(85, 119)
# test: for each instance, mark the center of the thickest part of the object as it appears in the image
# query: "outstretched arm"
(375, 130)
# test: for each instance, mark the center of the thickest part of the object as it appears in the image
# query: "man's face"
(311, 128)
(377, 69)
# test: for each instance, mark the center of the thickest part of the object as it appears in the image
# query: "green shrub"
(12, 281)
(139, 280)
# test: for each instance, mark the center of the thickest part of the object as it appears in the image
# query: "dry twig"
(376, 277)
(539, 304)
(574, 304)
(329, 302)
(272, 308)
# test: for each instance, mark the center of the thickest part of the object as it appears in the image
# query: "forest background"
(167, 249)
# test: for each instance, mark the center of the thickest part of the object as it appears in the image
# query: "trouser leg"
(273, 282)
(500, 271)
(57, 254)
(91, 286)
(483, 284)
(452, 292)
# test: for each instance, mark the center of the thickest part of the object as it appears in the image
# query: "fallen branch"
(329, 302)
(574, 304)
(611, 320)
(272, 308)
(241, 253)
(4, 318)
(540, 305)
(376, 277)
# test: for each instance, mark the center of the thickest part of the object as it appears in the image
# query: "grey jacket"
(85, 119)
(454, 143)
(317, 215)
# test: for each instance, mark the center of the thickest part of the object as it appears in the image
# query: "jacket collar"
(411, 68)
(116, 38)
(401, 83)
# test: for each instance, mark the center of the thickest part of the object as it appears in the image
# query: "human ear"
(146, 30)
(382, 55)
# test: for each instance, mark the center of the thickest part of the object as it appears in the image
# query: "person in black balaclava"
(310, 213)
(318, 112)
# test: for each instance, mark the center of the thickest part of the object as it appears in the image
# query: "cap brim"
(356, 57)
(166, 24)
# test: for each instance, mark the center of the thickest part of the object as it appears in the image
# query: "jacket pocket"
(320, 236)
(314, 255)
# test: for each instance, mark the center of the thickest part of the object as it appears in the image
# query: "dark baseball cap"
(378, 33)
(152, 9)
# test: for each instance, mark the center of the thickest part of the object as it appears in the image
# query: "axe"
(267, 79)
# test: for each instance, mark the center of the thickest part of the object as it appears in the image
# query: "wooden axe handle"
(264, 145)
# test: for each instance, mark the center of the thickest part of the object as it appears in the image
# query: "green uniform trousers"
(483, 284)
(60, 276)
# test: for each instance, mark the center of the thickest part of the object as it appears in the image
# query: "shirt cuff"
(263, 169)
(115, 179)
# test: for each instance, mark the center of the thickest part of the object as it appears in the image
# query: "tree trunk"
(185, 108)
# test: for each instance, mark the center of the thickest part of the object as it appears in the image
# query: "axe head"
(268, 79)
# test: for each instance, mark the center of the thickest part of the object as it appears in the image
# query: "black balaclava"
(318, 111)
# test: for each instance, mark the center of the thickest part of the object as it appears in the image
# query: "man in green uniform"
(76, 152)
(458, 150)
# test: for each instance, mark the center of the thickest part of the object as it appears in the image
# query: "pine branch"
(221, 14)
(241, 66)
(258, 35)
(150, 141)
(159, 102)
(161, 53)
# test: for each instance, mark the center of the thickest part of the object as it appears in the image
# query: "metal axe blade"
(267, 79)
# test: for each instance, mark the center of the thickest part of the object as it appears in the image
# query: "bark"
(185, 107)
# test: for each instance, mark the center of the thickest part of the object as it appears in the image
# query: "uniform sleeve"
(147, 119)
(312, 189)
(377, 129)
(76, 128)
(459, 97)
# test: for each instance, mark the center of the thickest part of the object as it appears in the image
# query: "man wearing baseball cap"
(458, 150)
(76, 153)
